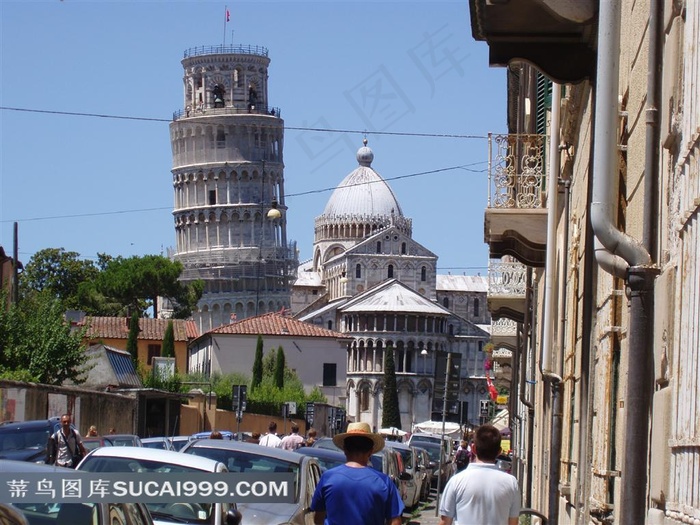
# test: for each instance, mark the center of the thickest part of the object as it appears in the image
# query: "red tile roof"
(151, 329)
(274, 323)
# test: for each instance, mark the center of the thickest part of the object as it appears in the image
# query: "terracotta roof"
(151, 329)
(275, 323)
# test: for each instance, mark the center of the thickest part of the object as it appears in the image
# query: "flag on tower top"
(228, 16)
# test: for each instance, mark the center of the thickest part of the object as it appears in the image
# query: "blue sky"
(98, 184)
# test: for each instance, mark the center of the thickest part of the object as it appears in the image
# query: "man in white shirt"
(271, 439)
(482, 493)
(293, 441)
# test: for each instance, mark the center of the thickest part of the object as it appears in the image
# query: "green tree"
(257, 365)
(279, 368)
(132, 340)
(59, 273)
(168, 349)
(391, 417)
(38, 344)
(139, 281)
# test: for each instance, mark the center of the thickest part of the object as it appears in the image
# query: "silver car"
(141, 459)
(250, 457)
(73, 513)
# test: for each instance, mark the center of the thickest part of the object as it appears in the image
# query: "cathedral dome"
(363, 193)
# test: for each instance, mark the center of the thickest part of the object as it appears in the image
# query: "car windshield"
(42, 513)
(238, 461)
(181, 512)
(376, 461)
(22, 439)
(160, 443)
(434, 452)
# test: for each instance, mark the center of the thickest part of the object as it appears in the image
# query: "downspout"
(529, 334)
(641, 273)
(552, 379)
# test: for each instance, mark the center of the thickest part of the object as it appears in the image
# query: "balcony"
(507, 287)
(556, 36)
(515, 222)
(504, 333)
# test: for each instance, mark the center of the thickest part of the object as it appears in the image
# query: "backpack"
(461, 459)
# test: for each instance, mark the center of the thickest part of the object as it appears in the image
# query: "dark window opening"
(379, 246)
(329, 374)
(476, 307)
(153, 351)
(403, 248)
(423, 273)
(330, 325)
(212, 197)
(358, 271)
(390, 273)
(446, 302)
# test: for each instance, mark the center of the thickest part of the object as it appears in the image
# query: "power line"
(293, 128)
(289, 195)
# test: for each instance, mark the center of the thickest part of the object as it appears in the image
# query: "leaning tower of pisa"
(228, 182)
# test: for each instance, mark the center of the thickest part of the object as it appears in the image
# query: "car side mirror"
(233, 517)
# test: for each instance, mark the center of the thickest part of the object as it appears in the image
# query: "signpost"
(239, 396)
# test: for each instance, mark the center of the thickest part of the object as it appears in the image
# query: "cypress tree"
(169, 341)
(279, 368)
(257, 365)
(132, 341)
(391, 417)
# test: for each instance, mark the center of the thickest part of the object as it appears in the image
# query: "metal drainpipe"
(641, 274)
(529, 335)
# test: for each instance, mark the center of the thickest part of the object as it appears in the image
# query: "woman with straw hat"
(354, 493)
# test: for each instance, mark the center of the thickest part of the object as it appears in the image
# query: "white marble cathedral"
(370, 279)
(228, 181)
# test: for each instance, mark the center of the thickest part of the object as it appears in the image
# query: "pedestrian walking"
(482, 493)
(271, 439)
(354, 493)
(311, 437)
(293, 441)
(65, 447)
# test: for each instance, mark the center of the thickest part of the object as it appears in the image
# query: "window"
(476, 307)
(153, 351)
(403, 248)
(358, 271)
(212, 197)
(390, 273)
(329, 374)
(330, 325)
(423, 273)
(379, 246)
(364, 399)
(446, 302)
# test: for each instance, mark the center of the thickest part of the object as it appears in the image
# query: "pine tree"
(391, 417)
(257, 365)
(169, 341)
(279, 368)
(132, 341)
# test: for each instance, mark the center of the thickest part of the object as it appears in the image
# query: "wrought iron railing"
(504, 327)
(507, 278)
(516, 171)
(233, 49)
(228, 110)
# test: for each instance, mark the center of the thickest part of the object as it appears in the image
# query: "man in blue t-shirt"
(355, 493)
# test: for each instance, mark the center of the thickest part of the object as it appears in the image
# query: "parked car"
(93, 442)
(226, 434)
(426, 467)
(448, 443)
(125, 440)
(412, 484)
(141, 459)
(325, 442)
(326, 458)
(249, 457)
(26, 440)
(179, 441)
(443, 470)
(60, 512)
(160, 443)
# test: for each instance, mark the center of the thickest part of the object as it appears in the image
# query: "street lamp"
(444, 417)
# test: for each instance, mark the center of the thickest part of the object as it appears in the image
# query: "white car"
(141, 459)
